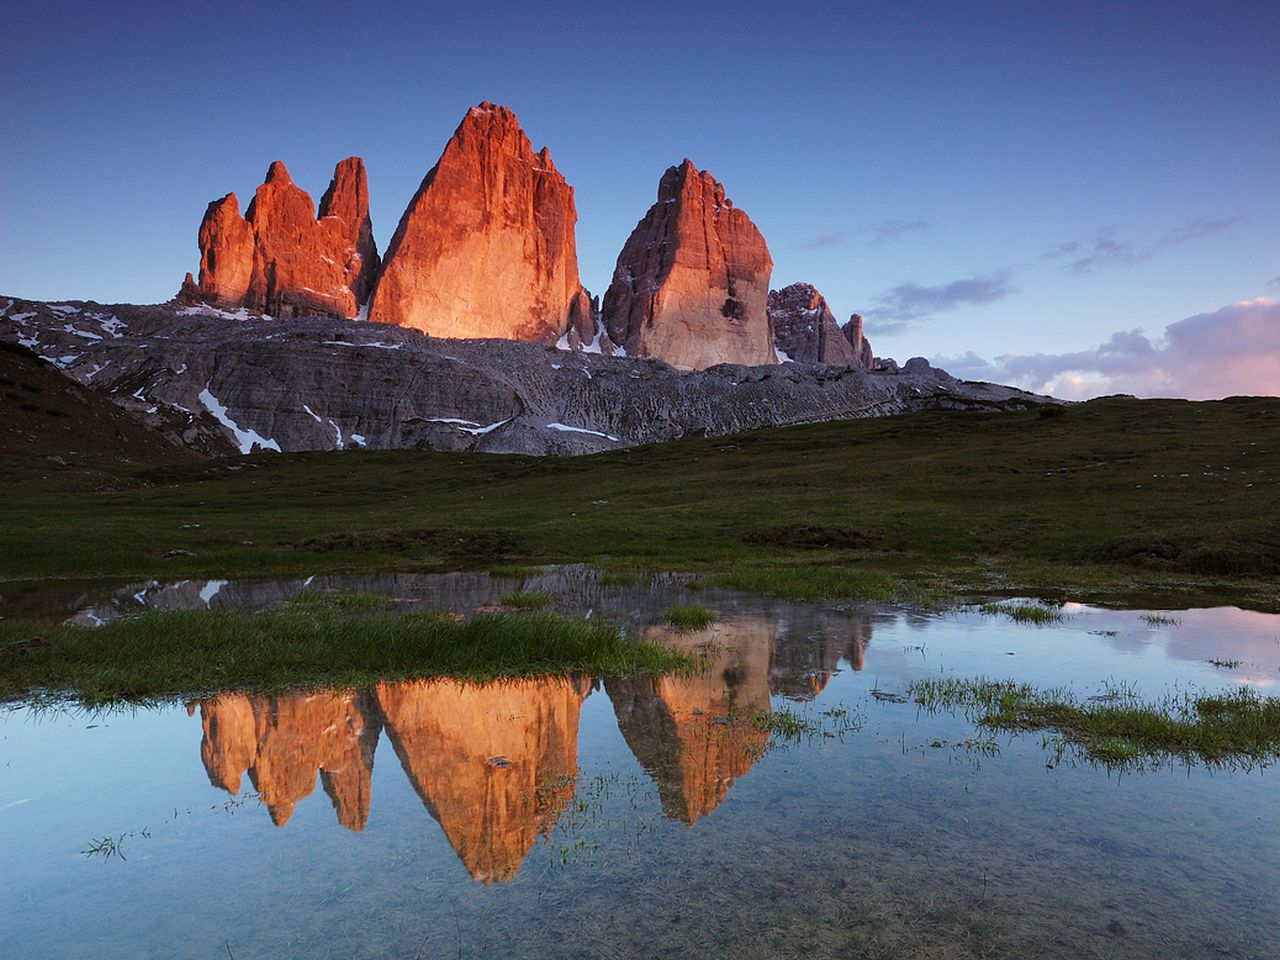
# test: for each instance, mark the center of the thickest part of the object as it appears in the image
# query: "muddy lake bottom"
(642, 817)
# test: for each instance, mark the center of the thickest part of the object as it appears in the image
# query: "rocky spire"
(347, 199)
(857, 339)
(692, 281)
(486, 247)
(279, 258)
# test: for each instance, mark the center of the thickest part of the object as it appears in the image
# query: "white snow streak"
(244, 438)
(565, 428)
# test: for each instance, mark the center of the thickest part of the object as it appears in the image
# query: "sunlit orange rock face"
(694, 734)
(493, 764)
(283, 742)
(805, 329)
(279, 258)
(692, 282)
(486, 247)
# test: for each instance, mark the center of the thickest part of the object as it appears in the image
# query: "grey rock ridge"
(213, 378)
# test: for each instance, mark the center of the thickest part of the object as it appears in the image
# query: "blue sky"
(975, 177)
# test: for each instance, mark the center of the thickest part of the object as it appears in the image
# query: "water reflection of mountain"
(494, 763)
(283, 742)
(693, 735)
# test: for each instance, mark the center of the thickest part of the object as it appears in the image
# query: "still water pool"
(634, 817)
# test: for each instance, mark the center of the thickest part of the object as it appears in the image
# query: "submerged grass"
(690, 616)
(1239, 728)
(165, 654)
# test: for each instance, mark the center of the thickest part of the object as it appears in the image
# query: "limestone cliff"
(692, 282)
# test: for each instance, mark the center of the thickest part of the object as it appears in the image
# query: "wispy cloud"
(1103, 249)
(890, 231)
(1234, 350)
(825, 241)
(910, 301)
(1199, 227)
(1274, 283)
(886, 328)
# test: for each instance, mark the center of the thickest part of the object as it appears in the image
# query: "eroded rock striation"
(486, 247)
(280, 258)
(692, 282)
(806, 331)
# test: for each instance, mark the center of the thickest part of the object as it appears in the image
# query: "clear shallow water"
(632, 817)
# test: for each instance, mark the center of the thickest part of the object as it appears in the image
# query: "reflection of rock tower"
(803, 664)
(281, 742)
(492, 763)
(675, 725)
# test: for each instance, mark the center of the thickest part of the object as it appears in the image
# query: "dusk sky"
(1079, 197)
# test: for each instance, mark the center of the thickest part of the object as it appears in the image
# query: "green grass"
(690, 617)
(513, 571)
(526, 599)
(337, 600)
(1116, 499)
(1240, 728)
(167, 654)
(1034, 613)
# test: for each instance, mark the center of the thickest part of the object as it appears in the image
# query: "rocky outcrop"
(279, 259)
(805, 330)
(282, 742)
(317, 384)
(486, 247)
(691, 284)
(493, 763)
(694, 734)
(852, 331)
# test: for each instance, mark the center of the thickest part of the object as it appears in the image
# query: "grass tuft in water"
(1239, 728)
(1161, 620)
(166, 654)
(1035, 613)
(785, 723)
(526, 599)
(690, 616)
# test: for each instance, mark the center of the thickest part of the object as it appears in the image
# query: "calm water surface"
(632, 817)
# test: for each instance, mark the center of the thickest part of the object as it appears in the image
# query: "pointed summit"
(279, 258)
(692, 281)
(347, 199)
(486, 247)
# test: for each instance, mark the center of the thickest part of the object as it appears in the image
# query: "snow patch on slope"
(245, 439)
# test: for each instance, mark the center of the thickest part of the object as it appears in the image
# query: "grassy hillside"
(1114, 497)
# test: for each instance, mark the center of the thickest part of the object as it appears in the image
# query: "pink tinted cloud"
(1232, 351)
